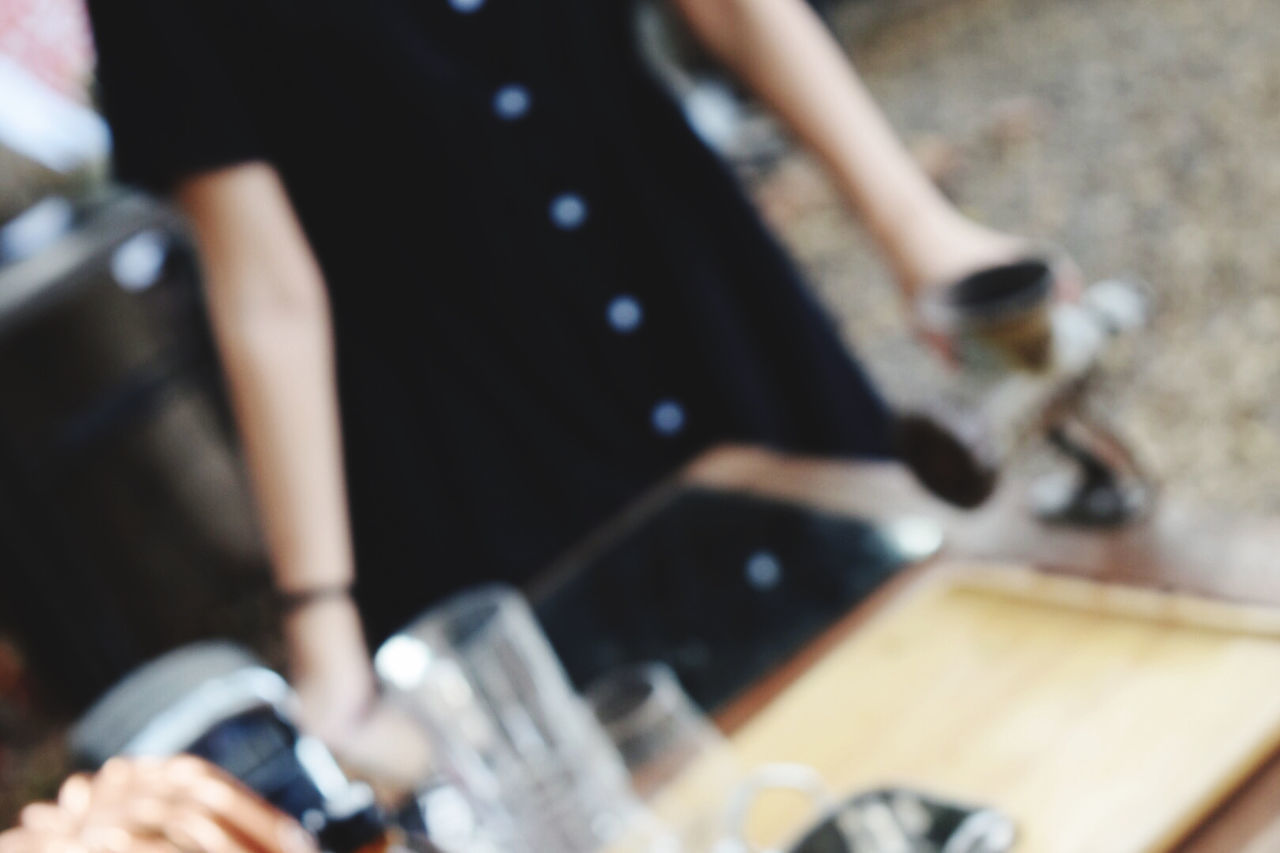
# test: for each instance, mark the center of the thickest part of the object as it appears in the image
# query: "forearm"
(784, 53)
(271, 322)
(281, 381)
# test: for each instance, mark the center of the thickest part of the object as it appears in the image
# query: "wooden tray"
(1100, 718)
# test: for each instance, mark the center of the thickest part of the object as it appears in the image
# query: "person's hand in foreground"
(174, 805)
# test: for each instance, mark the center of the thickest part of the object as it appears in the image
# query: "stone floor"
(1143, 136)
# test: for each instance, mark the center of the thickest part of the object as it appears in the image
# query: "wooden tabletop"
(1180, 547)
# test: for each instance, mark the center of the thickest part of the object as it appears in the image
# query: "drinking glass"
(680, 764)
(526, 751)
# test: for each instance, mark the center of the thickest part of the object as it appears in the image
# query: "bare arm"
(270, 317)
(784, 53)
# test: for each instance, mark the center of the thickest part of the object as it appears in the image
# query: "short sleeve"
(168, 91)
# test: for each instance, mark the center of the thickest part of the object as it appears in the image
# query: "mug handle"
(769, 777)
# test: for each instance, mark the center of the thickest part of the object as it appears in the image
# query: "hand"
(954, 247)
(174, 805)
(386, 749)
(338, 701)
(949, 249)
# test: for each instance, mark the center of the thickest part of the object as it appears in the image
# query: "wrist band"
(292, 600)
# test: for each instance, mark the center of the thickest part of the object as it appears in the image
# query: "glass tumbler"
(517, 741)
(681, 766)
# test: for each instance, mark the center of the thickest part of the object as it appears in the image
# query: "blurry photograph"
(703, 426)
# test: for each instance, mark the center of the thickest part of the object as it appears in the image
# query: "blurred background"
(1141, 136)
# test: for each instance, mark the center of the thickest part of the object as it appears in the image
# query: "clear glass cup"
(479, 674)
(657, 729)
(681, 765)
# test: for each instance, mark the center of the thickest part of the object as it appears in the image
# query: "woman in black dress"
(479, 236)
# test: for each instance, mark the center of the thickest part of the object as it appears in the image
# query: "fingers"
(175, 805)
(251, 821)
(387, 746)
(26, 840)
(46, 818)
(20, 840)
(117, 839)
(192, 830)
(1068, 278)
(75, 795)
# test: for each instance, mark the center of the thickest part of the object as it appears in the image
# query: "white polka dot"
(466, 7)
(668, 417)
(625, 314)
(512, 102)
(763, 570)
(568, 211)
(139, 261)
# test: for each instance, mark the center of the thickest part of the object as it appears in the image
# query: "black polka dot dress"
(547, 292)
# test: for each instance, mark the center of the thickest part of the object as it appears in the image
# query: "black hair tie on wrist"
(293, 600)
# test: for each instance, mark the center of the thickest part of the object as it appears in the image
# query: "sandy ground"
(1142, 136)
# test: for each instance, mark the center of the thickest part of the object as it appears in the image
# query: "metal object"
(1026, 366)
(1108, 486)
(216, 701)
(900, 820)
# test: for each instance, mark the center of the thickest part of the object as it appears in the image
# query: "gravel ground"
(1142, 136)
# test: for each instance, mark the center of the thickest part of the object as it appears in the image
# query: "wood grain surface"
(1103, 720)
(1182, 548)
